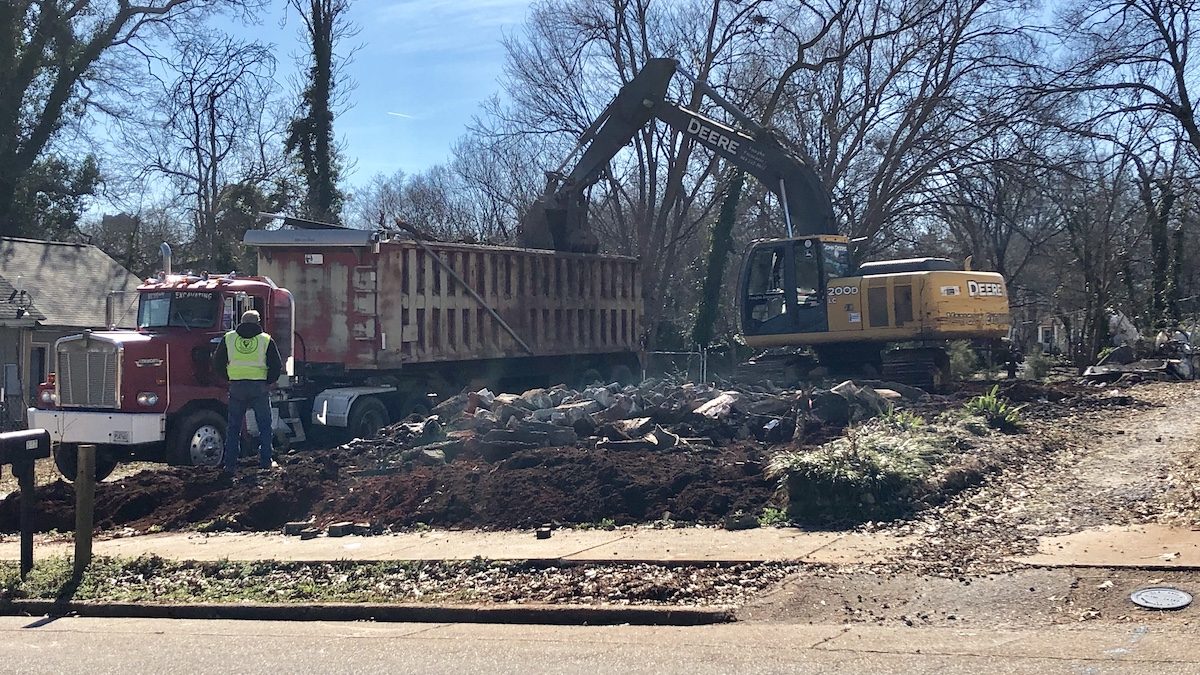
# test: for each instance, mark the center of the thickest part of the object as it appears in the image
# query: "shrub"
(874, 472)
(1037, 364)
(772, 517)
(999, 413)
(963, 361)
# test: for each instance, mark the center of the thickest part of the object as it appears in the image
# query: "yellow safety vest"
(247, 356)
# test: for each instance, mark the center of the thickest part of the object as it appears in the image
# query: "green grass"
(901, 420)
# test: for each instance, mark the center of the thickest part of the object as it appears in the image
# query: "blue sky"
(430, 62)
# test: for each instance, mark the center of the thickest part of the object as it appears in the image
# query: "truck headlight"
(147, 398)
(48, 396)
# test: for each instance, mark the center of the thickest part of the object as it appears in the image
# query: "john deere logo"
(245, 345)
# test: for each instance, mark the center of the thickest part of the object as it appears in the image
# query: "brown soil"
(547, 485)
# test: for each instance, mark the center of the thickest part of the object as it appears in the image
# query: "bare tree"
(310, 135)
(902, 109)
(211, 137)
(50, 56)
(1131, 57)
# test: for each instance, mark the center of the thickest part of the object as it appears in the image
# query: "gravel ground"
(1126, 456)
(1123, 457)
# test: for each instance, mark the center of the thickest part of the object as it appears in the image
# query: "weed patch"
(996, 410)
(874, 472)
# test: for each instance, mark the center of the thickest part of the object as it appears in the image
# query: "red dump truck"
(370, 325)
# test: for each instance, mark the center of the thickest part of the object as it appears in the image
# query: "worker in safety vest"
(250, 359)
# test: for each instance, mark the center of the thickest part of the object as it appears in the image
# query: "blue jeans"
(248, 395)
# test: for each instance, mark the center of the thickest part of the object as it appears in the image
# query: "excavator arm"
(558, 219)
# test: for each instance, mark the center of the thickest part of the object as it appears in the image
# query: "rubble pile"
(1169, 357)
(656, 415)
(664, 452)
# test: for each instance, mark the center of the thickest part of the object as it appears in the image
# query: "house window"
(38, 368)
(1047, 334)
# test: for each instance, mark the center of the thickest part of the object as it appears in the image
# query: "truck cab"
(150, 392)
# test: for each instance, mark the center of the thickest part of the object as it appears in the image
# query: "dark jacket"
(220, 356)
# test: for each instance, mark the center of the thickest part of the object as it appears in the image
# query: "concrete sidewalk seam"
(826, 545)
(596, 546)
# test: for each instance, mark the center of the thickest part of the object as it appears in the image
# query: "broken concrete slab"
(1158, 369)
(567, 414)
(865, 402)
(909, 393)
(555, 434)
(452, 406)
(719, 407)
(536, 399)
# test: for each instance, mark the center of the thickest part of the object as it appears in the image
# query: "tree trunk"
(718, 256)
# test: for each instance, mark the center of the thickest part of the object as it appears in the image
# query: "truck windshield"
(187, 309)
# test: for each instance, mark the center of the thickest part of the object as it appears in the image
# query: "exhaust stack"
(165, 250)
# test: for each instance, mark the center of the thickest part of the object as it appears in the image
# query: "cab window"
(808, 275)
(837, 260)
(765, 297)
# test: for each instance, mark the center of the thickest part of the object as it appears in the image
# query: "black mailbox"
(24, 446)
(20, 449)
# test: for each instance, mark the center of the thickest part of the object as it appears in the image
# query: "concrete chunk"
(719, 407)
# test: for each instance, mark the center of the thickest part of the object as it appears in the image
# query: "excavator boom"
(558, 219)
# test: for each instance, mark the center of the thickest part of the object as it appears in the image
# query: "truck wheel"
(367, 416)
(590, 377)
(66, 458)
(622, 375)
(199, 440)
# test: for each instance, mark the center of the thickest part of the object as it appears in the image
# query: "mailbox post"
(21, 449)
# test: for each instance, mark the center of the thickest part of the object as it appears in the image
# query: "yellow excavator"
(895, 316)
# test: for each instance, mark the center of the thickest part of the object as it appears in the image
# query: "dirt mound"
(565, 485)
(532, 487)
(178, 498)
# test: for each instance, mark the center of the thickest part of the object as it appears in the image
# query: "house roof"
(67, 283)
(8, 310)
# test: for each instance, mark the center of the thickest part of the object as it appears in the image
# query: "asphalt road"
(77, 645)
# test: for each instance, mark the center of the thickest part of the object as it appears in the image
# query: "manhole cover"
(1161, 597)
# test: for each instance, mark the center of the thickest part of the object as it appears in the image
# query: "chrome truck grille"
(88, 373)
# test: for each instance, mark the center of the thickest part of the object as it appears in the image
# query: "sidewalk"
(1134, 546)
(1143, 546)
(673, 546)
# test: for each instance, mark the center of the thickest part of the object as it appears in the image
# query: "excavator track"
(924, 367)
(780, 369)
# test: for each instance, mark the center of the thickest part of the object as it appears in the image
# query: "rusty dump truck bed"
(371, 302)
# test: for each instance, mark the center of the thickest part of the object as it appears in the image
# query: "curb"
(568, 615)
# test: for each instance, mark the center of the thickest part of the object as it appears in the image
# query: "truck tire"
(199, 440)
(66, 459)
(367, 416)
(622, 375)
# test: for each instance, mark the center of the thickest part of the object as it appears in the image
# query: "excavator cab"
(785, 284)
